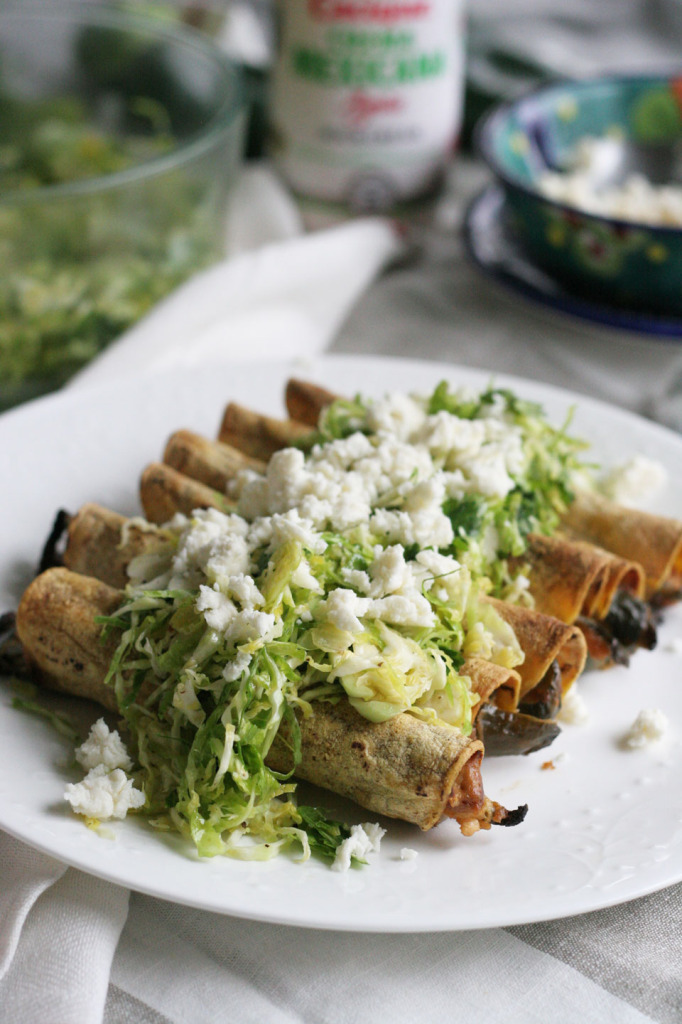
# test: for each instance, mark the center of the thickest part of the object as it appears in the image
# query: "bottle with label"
(366, 101)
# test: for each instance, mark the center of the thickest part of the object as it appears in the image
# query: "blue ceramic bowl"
(621, 262)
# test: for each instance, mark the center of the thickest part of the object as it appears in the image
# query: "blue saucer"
(495, 252)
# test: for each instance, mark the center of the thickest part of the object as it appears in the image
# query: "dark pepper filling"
(631, 623)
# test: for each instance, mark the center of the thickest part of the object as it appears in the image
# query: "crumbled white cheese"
(389, 571)
(649, 726)
(635, 481)
(391, 485)
(302, 576)
(218, 610)
(106, 791)
(414, 457)
(573, 709)
(403, 611)
(103, 746)
(408, 854)
(344, 608)
(363, 839)
(635, 199)
(211, 545)
(397, 414)
(104, 794)
(237, 666)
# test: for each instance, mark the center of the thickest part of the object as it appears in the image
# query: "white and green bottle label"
(366, 98)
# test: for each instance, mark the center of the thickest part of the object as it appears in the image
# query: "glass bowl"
(625, 263)
(119, 142)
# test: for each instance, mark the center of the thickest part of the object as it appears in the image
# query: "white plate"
(603, 827)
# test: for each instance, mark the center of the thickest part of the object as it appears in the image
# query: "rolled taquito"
(165, 491)
(61, 640)
(256, 435)
(601, 592)
(570, 578)
(209, 462)
(402, 768)
(654, 541)
(103, 543)
(545, 640)
(305, 401)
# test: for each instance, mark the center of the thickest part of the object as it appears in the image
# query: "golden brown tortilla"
(61, 640)
(569, 578)
(493, 683)
(655, 542)
(305, 401)
(257, 435)
(544, 639)
(102, 543)
(164, 491)
(401, 768)
(209, 462)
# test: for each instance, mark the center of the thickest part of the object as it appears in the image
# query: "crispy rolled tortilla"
(493, 684)
(655, 542)
(102, 543)
(257, 435)
(571, 578)
(598, 591)
(164, 491)
(209, 462)
(403, 768)
(305, 401)
(62, 642)
(544, 640)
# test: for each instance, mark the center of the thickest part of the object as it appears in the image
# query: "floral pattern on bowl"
(627, 263)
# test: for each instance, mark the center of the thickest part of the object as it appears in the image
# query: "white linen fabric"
(249, 972)
(59, 929)
(286, 298)
(77, 950)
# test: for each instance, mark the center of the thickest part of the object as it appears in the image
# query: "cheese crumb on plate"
(649, 726)
(106, 791)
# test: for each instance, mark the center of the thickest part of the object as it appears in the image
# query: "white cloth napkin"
(59, 929)
(279, 294)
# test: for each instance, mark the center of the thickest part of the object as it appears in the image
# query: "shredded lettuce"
(488, 531)
(57, 719)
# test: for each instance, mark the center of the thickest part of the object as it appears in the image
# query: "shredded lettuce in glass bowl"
(117, 155)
